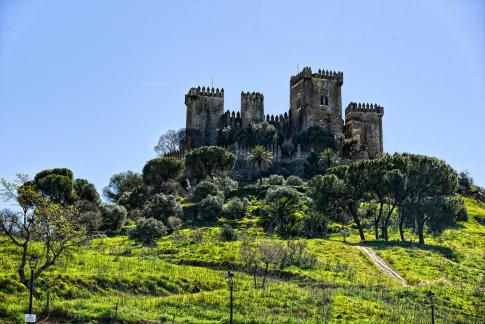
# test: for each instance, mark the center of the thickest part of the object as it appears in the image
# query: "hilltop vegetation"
(160, 250)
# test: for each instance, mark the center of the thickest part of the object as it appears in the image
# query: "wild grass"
(182, 279)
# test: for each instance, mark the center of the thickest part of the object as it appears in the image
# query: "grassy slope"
(183, 277)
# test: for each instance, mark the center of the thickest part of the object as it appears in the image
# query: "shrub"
(294, 181)
(204, 189)
(296, 254)
(162, 207)
(283, 202)
(147, 231)
(235, 208)
(313, 224)
(228, 233)
(209, 208)
(225, 184)
(114, 218)
(276, 180)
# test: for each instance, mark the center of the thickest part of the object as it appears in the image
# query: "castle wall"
(205, 108)
(363, 122)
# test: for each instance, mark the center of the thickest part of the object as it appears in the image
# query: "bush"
(297, 255)
(174, 223)
(204, 189)
(276, 180)
(114, 218)
(235, 208)
(283, 202)
(225, 184)
(147, 231)
(294, 181)
(162, 207)
(313, 224)
(228, 233)
(209, 208)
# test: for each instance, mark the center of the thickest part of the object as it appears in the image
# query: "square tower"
(316, 100)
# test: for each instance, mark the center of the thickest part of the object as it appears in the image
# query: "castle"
(315, 100)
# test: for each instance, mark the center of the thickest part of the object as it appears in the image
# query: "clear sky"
(90, 85)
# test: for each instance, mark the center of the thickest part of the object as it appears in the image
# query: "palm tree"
(260, 156)
(328, 158)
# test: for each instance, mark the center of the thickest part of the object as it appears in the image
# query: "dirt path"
(382, 265)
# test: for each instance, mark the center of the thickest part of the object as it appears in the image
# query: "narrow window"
(326, 101)
(321, 100)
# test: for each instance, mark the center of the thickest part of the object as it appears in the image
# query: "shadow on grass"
(383, 245)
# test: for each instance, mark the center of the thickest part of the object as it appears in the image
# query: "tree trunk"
(264, 276)
(420, 231)
(386, 224)
(401, 224)
(378, 219)
(357, 222)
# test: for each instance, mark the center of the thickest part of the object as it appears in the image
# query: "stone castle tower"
(315, 100)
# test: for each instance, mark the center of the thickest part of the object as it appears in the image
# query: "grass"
(182, 279)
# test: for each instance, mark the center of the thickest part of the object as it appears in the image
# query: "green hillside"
(181, 280)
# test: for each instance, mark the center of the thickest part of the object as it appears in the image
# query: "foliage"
(89, 215)
(235, 208)
(121, 184)
(228, 233)
(134, 199)
(294, 181)
(56, 184)
(313, 224)
(147, 231)
(161, 207)
(275, 180)
(328, 158)
(260, 157)
(86, 191)
(114, 217)
(311, 167)
(282, 202)
(210, 208)
(255, 134)
(205, 188)
(317, 137)
(208, 161)
(350, 148)
(157, 171)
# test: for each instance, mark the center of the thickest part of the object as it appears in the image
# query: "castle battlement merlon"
(306, 73)
(252, 95)
(364, 107)
(207, 92)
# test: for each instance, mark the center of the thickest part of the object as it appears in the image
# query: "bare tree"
(169, 142)
(55, 227)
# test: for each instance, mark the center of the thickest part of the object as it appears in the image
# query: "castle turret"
(205, 108)
(252, 108)
(363, 122)
(316, 100)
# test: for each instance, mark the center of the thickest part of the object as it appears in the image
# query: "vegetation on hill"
(159, 250)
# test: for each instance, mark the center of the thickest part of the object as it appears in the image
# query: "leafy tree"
(350, 148)
(48, 228)
(276, 180)
(327, 193)
(147, 231)
(260, 157)
(86, 191)
(431, 184)
(282, 203)
(114, 218)
(294, 181)
(120, 184)
(169, 142)
(158, 170)
(89, 215)
(317, 137)
(208, 161)
(312, 166)
(328, 158)
(135, 199)
(161, 207)
(56, 184)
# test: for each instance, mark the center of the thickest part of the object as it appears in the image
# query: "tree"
(161, 207)
(147, 231)
(86, 191)
(259, 156)
(328, 158)
(54, 228)
(114, 218)
(205, 188)
(209, 161)
(431, 184)
(157, 171)
(352, 191)
(120, 184)
(282, 203)
(327, 192)
(169, 142)
(318, 138)
(56, 184)
(312, 166)
(209, 208)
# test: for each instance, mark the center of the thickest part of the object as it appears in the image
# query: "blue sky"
(90, 85)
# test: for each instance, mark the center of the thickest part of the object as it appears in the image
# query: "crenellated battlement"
(364, 107)
(252, 95)
(206, 92)
(280, 119)
(306, 73)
